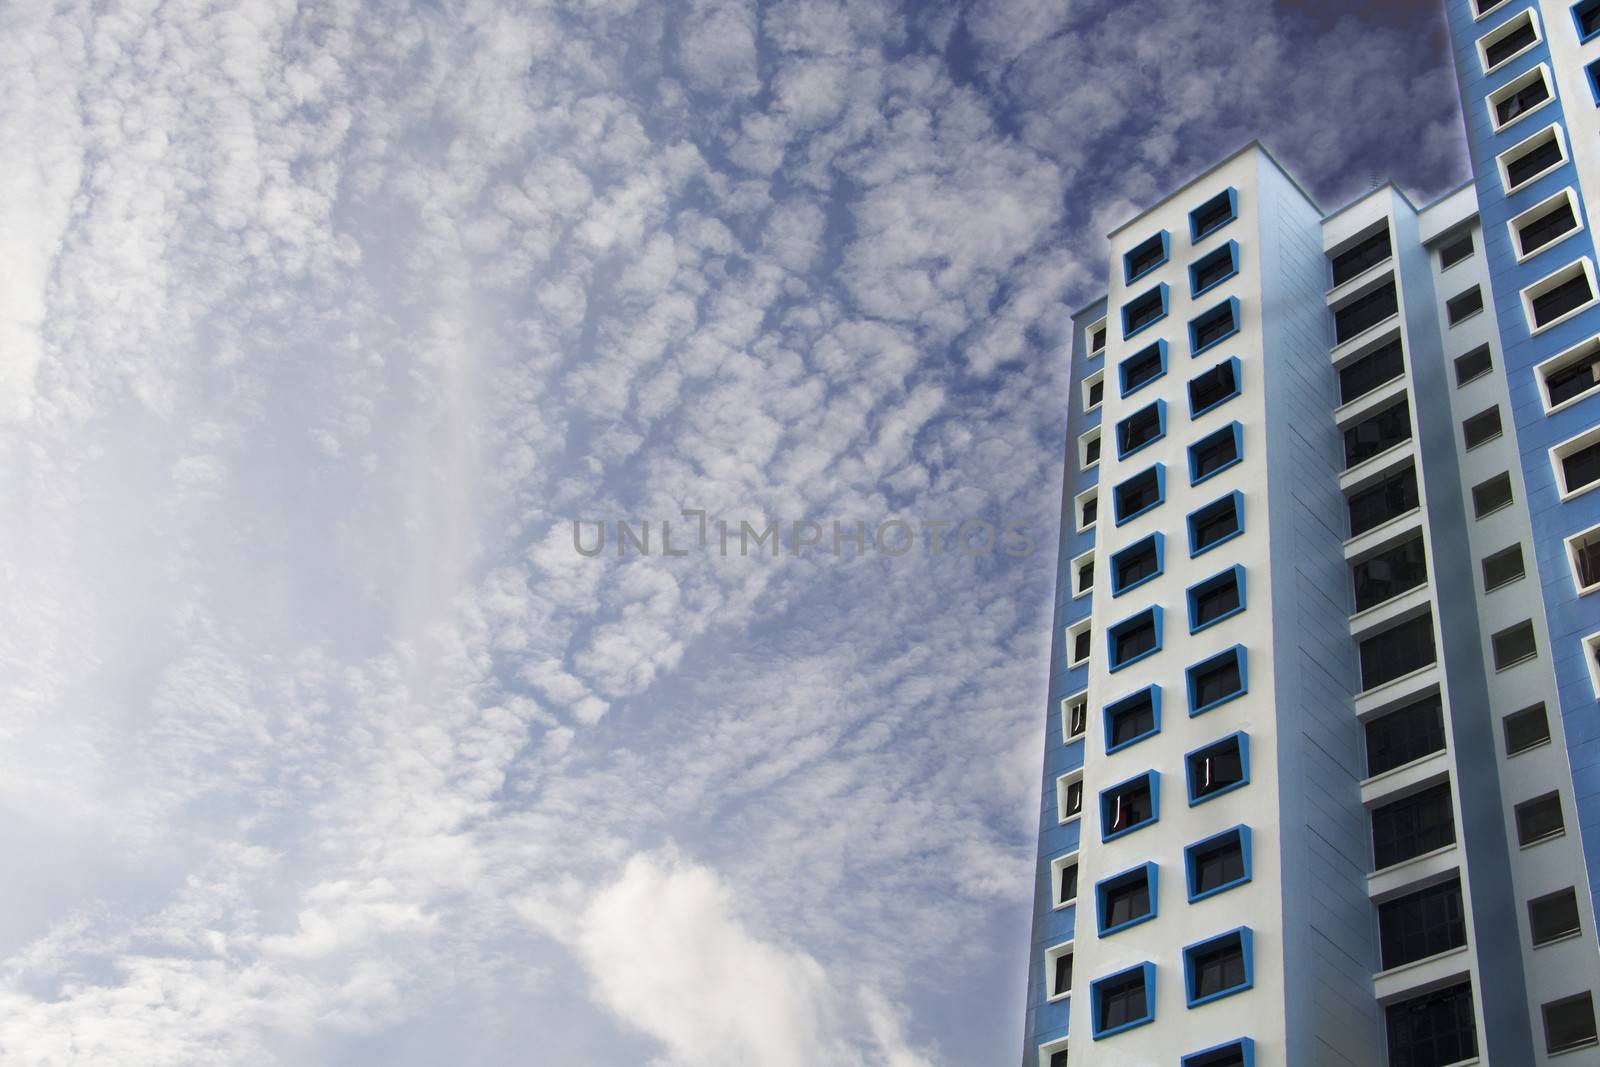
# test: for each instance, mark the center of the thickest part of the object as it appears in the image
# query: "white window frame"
(1568, 544)
(1506, 29)
(1099, 324)
(1487, 11)
(1098, 377)
(1565, 449)
(1067, 736)
(1051, 954)
(1561, 361)
(1050, 1049)
(1077, 563)
(1072, 639)
(1504, 160)
(1062, 782)
(1557, 277)
(1083, 449)
(1058, 867)
(1590, 642)
(1077, 509)
(1514, 226)
(1516, 85)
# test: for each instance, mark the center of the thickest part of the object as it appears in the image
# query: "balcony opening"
(1362, 314)
(1377, 433)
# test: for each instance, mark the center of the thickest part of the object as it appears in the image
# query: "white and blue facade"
(1322, 771)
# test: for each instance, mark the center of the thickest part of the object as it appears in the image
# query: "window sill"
(1214, 794)
(1513, 57)
(1523, 257)
(1395, 879)
(1135, 828)
(1570, 935)
(1485, 441)
(1387, 610)
(1575, 1048)
(1193, 552)
(1535, 330)
(1373, 463)
(1465, 318)
(1209, 997)
(1235, 884)
(1373, 787)
(1354, 546)
(1117, 591)
(1351, 284)
(1142, 327)
(1195, 294)
(1099, 1034)
(1117, 929)
(1459, 950)
(1530, 748)
(1202, 709)
(1566, 495)
(1397, 682)
(1131, 741)
(1213, 343)
(1209, 623)
(1131, 660)
(1125, 393)
(1193, 481)
(1571, 400)
(1498, 127)
(1123, 454)
(1341, 349)
(1519, 661)
(1524, 846)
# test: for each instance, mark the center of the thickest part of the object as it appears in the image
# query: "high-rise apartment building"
(1322, 768)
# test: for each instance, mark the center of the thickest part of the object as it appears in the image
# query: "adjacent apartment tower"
(1322, 770)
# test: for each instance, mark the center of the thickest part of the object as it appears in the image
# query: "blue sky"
(322, 324)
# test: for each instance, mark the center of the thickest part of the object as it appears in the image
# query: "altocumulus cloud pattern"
(321, 323)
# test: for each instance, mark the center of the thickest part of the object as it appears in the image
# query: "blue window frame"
(1218, 967)
(1144, 427)
(1136, 495)
(1214, 214)
(1146, 256)
(1239, 1053)
(1144, 310)
(1214, 268)
(1122, 1001)
(1211, 328)
(1142, 561)
(1214, 387)
(1586, 17)
(1130, 805)
(1218, 679)
(1593, 70)
(1126, 899)
(1143, 367)
(1219, 597)
(1217, 864)
(1218, 522)
(1134, 638)
(1216, 452)
(1218, 768)
(1132, 718)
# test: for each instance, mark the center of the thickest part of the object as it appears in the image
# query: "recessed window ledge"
(1459, 950)
(1365, 468)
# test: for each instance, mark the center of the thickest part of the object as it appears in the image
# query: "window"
(1217, 680)
(1377, 433)
(1593, 71)
(1127, 899)
(1144, 310)
(1587, 16)
(1139, 494)
(1463, 304)
(1214, 214)
(1218, 968)
(1390, 573)
(1483, 7)
(1214, 326)
(1455, 251)
(1554, 916)
(1218, 863)
(1577, 463)
(1584, 551)
(1539, 154)
(1569, 1023)
(1502, 568)
(1481, 428)
(1138, 563)
(1514, 645)
(1133, 718)
(1491, 495)
(1240, 1053)
(1379, 367)
(1219, 597)
(1214, 269)
(1518, 97)
(1544, 224)
(1143, 367)
(1361, 256)
(1141, 428)
(1421, 924)
(1526, 728)
(1397, 652)
(1398, 737)
(1083, 574)
(1390, 498)
(1078, 644)
(1094, 390)
(1069, 796)
(1474, 364)
(1123, 1000)
(1058, 964)
(1097, 338)
(1433, 1029)
(1555, 298)
(1539, 819)
(1215, 452)
(1088, 509)
(1572, 374)
(1058, 1057)
(1089, 449)
(1218, 768)
(1412, 826)
(1214, 386)
(1146, 256)
(1219, 521)
(1074, 717)
(1131, 640)
(1065, 873)
(1361, 314)
(1591, 653)
(1130, 806)
(1511, 38)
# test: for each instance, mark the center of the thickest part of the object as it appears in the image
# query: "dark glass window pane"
(1377, 433)
(1133, 639)
(1218, 968)
(1214, 522)
(1524, 99)
(1510, 44)
(1132, 718)
(1554, 916)
(1459, 307)
(1212, 387)
(1403, 735)
(1411, 826)
(1077, 718)
(1395, 495)
(1097, 340)
(1232, 1056)
(1217, 865)
(1569, 1023)
(1063, 983)
(1589, 19)
(1074, 798)
(1574, 379)
(1370, 371)
(1364, 313)
(1513, 645)
(1421, 924)
(1214, 452)
(1390, 573)
(1432, 1030)
(1091, 452)
(1069, 883)
(1091, 510)
(1474, 363)
(1455, 251)
(1141, 368)
(1491, 495)
(1396, 652)
(1586, 559)
(1212, 214)
(1140, 428)
(1097, 393)
(1080, 646)
(1135, 563)
(1058, 1059)
(1128, 806)
(1145, 310)
(1214, 325)
(1137, 493)
(1215, 768)
(1146, 256)
(1484, 426)
(1546, 228)
(1216, 679)
(1126, 901)
(1539, 818)
(1502, 568)
(1086, 576)
(1212, 269)
(1216, 600)
(1524, 167)
(1368, 253)
(1572, 293)
(1122, 999)
(1582, 467)
(1526, 728)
